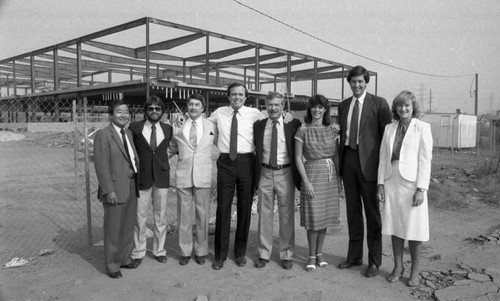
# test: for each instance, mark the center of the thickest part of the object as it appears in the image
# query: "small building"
(453, 130)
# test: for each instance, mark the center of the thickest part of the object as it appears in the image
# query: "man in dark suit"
(116, 165)
(152, 138)
(276, 176)
(362, 118)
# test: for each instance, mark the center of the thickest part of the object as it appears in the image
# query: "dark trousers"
(119, 223)
(360, 193)
(239, 173)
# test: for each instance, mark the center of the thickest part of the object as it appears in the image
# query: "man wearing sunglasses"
(151, 139)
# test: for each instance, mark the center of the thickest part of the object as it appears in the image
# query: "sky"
(449, 41)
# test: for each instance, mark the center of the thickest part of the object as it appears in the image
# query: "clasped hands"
(418, 197)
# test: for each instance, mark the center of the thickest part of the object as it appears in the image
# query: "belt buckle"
(131, 174)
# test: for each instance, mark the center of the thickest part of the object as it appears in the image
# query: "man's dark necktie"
(193, 135)
(233, 139)
(152, 140)
(273, 159)
(353, 132)
(125, 144)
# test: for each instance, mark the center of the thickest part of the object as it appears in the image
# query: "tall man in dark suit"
(116, 165)
(152, 138)
(362, 118)
(276, 176)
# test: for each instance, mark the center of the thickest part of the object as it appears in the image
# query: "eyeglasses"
(157, 109)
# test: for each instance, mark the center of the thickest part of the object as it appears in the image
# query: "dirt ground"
(464, 204)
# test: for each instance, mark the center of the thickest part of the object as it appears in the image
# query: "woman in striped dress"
(319, 193)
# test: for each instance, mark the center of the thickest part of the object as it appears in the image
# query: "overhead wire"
(342, 48)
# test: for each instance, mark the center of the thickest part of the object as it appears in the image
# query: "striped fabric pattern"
(324, 210)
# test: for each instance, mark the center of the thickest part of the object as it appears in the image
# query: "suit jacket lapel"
(164, 129)
(118, 140)
(367, 110)
(206, 130)
(288, 138)
(343, 122)
(141, 128)
(391, 135)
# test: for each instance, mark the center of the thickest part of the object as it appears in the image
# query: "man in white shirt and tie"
(194, 143)
(151, 139)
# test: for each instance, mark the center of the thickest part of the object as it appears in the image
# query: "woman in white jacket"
(403, 179)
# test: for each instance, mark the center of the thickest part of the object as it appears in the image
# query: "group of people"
(379, 154)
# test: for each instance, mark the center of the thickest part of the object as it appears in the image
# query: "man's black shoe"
(371, 271)
(133, 264)
(261, 262)
(217, 264)
(348, 264)
(115, 275)
(240, 261)
(184, 260)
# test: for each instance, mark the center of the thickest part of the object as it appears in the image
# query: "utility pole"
(476, 96)
(421, 91)
(430, 101)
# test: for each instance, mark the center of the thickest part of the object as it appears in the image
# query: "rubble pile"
(465, 283)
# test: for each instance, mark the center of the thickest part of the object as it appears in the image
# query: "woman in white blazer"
(403, 179)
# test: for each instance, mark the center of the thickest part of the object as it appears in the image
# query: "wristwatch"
(421, 189)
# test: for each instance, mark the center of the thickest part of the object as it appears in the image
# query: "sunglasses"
(157, 109)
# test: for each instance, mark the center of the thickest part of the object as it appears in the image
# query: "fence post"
(87, 173)
(75, 140)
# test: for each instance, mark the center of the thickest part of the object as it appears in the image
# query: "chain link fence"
(48, 191)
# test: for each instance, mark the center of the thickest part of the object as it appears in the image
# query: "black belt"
(227, 154)
(277, 167)
(354, 149)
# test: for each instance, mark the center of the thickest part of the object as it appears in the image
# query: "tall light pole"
(476, 96)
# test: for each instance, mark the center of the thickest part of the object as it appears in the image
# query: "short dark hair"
(357, 71)
(199, 97)
(234, 85)
(403, 97)
(115, 103)
(318, 100)
(154, 100)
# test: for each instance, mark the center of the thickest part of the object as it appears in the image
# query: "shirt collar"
(193, 120)
(362, 98)
(280, 120)
(149, 124)
(117, 128)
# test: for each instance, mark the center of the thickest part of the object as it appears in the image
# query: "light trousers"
(157, 196)
(193, 207)
(276, 184)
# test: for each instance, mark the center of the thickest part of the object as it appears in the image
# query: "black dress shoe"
(287, 264)
(161, 259)
(217, 264)
(348, 264)
(260, 263)
(200, 259)
(115, 275)
(133, 264)
(240, 261)
(371, 271)
(184, 260)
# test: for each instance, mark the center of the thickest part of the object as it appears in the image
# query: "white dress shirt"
(130, 149)
(282, 151)
(349, 117)
(246, 116)
(199, 129)
(146, 132)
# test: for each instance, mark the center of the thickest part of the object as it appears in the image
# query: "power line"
(341, 48)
